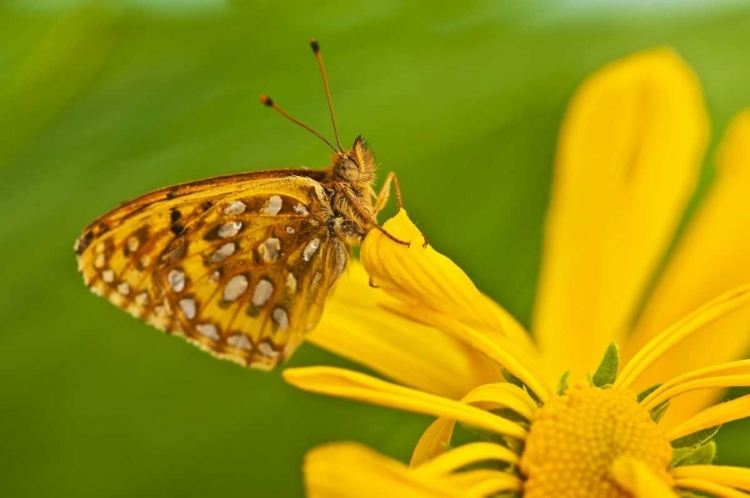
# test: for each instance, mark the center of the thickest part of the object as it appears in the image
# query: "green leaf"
(696, 438)
(512, 444)
(700, 455)
(607, 372)
(562, 386)
(644, 394)
(512, 379)
(658, 411)
(512, 415)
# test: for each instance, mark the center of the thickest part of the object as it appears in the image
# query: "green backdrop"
(101, 103)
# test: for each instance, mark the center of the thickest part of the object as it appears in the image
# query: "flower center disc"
(575, 438)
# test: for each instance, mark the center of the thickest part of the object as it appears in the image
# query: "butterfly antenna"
(266, 100)
(316, 50)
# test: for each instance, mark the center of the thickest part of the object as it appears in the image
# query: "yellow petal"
(504, 352)
(485, 482)
(638, 479)
(463, 456)
(423, 278)
(724, 375)
(491, 396)
(709, 259)
(349, 470)
(723, 413)
(344, 383)
(629, 153)
(434, 441)
(712, 312)
(709, 487)
(437, 437)
(735, 477)
(433, 290)
(357, 326)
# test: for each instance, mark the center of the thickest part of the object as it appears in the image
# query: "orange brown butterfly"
(240, 265)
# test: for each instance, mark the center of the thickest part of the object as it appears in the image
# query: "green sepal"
(696, 439)
(467, 433)
(658, 411)
(512, 444)
(512, 379)
(513, 416)
(700, 455)
(645, 393)
(563, 385)
(607, 372)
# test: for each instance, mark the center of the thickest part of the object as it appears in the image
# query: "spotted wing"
(241, 266)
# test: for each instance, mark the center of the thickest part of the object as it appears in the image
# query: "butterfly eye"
(347, 170)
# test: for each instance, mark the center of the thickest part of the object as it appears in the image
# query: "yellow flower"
(557, 419)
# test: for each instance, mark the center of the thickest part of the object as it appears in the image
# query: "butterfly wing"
(241, 266)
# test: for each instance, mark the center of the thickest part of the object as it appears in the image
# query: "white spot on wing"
(209, 330)
(123, 288)
(281, 318)
(142, 298)
(133, 244)
(108, 276)
(145, 260)
(270, 249)
(236, 207)
(188, 308)
(290, 230)
(310, 249)
(262, 292)
(273, 206)
(229, 229)
(240, 341)
(176, 280)
(301, 209)
(215, 276)
(223, 252)
(266, 349)
(236, 286)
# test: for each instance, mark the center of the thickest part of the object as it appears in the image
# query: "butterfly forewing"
(242, 269)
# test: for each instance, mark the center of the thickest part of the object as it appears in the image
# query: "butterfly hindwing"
(241, 269)
(250, 277)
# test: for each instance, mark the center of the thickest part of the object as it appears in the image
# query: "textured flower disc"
(575, 439)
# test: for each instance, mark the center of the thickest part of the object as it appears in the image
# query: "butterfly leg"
(385, 191)
(356, 205)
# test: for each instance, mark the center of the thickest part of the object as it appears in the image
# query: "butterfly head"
(356, 165)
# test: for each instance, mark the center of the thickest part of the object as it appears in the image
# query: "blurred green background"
(102, 102)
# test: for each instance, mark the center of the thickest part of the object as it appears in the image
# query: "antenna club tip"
(315, 45)
(266, 100)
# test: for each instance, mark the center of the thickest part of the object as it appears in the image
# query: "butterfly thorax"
(349, 181)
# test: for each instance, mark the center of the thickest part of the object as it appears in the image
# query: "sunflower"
(617, 393)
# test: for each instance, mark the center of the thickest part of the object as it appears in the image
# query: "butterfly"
(240, 265)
